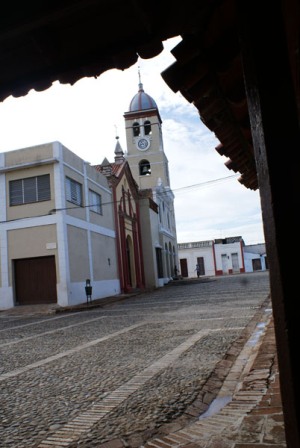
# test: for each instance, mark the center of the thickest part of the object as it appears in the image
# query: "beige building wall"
(22, 157)
(104, 257)
(71, 159)
(154, 137)
(37, 241)
(71, 208)
(46, 228)
(150, 242)
(98, 182)
(36, 208)
(159, 168)
(78, 254)
(154, 154)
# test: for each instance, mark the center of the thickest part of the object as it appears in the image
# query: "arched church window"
(136, 129)
(145, 168)
(147, 127)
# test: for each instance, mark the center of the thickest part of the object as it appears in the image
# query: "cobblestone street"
(126, 370)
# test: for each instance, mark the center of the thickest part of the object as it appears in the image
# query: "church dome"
(142, 101)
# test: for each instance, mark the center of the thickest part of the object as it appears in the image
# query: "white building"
(220, 257)
(255, 257)
(213, 257)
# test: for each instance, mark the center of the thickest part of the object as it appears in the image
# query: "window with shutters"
(73, 191)
(95, 202)
(30, 189)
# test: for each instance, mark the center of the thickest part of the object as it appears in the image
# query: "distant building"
(229, 255)
(220, 257)
(255, 257)
(195, 253)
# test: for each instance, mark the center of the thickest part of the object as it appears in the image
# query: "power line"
(180, 189)
(204, 184)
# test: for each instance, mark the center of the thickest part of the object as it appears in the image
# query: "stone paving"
(133, 372)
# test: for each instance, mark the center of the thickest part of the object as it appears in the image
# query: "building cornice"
(32, 164)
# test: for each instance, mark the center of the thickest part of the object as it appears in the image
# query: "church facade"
(126, 207)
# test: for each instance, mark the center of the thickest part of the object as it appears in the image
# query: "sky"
(209, 202)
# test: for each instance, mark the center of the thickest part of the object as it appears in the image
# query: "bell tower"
(145, 149)
(149, 167)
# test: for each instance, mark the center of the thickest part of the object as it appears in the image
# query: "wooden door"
(183, 267)
(35, 280)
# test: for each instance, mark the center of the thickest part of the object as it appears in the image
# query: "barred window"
(30, 189)
(74, 191)
(95, 202)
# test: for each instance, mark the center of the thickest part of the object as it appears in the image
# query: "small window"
(145, 168)
(30, 189)
(147, 127)
(74, 191)
(136, 129)
(95, 202)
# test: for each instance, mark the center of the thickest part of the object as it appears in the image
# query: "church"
(143, 180)
(65, 222)
(149, 165)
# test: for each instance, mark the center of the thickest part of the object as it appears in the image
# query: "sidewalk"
(252, 419)
(53, 308)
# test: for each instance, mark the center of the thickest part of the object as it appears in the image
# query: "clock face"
(143, 144)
